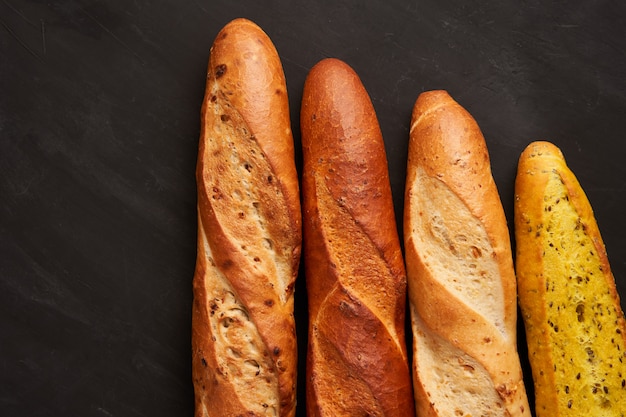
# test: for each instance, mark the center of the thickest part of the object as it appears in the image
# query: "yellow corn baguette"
(574, 324)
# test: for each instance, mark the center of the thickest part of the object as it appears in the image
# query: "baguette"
(462, 290)
(574, 323)
(356, 282)
(244, 358)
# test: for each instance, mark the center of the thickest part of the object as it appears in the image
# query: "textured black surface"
(99, 124)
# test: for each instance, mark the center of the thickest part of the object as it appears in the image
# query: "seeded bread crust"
(244, 357)
(462, 289)
(356, 283)
(575, 327)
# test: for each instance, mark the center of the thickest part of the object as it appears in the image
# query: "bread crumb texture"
(246, 197)
(455, 247)
(577, 353)
(455, 383)
(246, 201)
(240, 357)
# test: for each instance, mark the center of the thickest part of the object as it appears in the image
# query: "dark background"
(99, 125)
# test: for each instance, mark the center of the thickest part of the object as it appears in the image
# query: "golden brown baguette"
(574, 323)
(249, 233)
(356, 283)
(462, 292)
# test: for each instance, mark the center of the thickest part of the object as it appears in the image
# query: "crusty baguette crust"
(244, 355)
(356, 282)
(462, 290)
(575, 326)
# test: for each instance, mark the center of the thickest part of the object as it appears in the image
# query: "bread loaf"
(462, 289)
(571, 310)
(356, 283)
(244, 355)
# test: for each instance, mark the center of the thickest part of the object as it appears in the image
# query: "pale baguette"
(462, 289)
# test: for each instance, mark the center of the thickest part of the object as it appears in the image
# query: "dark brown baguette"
(356, 282)
(244, 355)
(462, 289)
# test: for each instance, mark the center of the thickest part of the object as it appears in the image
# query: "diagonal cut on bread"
(244, 358)
(356, 282)
(462, 289)
(574, 323)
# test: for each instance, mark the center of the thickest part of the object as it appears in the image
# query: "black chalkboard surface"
(99, 125)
